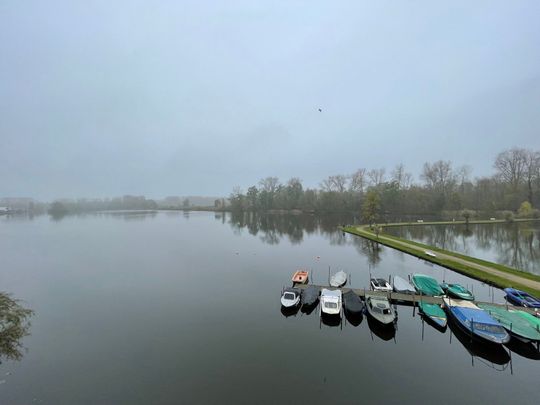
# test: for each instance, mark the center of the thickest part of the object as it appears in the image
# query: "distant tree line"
(515, 185)
(127, 202)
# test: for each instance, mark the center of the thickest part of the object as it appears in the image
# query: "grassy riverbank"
(471, 222)
(488, 272)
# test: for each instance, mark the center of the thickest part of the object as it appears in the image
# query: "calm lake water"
(516, 245)
(167, 308)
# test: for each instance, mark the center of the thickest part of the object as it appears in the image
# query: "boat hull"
(476, 334)
(300, 277)
(289, 303)
(434, 314)
(377, 312)
(514, 296)
(352, 303)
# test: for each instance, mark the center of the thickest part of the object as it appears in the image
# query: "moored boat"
(516, 325)
(380, 309)
(300, 277)
(331, 302)
(352, 303)
(457, 291)
(402, 286)
(533, 320)
(427, 285)
(338, 279)
(433, 313)
(475, 321)
(521, 298)
(310, 296)
(380, 284)
(290, 297)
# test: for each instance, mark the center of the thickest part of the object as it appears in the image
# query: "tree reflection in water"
(14, 325)
(272, 228)
(513, 244)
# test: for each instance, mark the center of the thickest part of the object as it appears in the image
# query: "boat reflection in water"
(330, 320)
(308, 309)
(289, 311)
(484, 351)
(354, 319)
(384, 332)
(527, 350)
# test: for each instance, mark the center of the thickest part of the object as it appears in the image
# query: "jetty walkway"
(407, 299)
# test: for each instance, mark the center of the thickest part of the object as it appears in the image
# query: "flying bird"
(320, 110)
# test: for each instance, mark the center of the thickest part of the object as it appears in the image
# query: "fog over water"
(188, 98)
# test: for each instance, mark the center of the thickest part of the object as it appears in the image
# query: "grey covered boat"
(402, 286)
(352, 303)
(310, 295)
(338, 279)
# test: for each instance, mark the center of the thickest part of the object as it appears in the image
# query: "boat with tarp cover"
(533, 320)
(517, 325)
(457, 291)
(475, 321)
(427, 285)
(521, 298)
(310, 296)
(433, 313)
(402, 286)
(352, 303)
(338, 279)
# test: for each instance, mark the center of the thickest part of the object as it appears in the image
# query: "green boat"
(434, 313)
(517, 325)
(427, 285)
(457, 291)
(533, 320)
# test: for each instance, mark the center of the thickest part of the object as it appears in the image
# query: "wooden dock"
(407, 299)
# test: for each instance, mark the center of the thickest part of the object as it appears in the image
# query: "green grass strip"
(393, 242)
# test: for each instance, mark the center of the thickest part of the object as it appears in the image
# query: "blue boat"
(476, 322)
(521, 298)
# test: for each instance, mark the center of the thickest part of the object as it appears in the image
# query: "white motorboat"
(290, 297)
(331, 302)
(380, 309)
(380, 284)
(338, 279)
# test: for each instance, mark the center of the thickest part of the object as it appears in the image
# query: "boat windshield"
(289, 296)
(331, 305)
(378, 310)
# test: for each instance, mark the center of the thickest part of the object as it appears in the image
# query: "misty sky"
(104, 98)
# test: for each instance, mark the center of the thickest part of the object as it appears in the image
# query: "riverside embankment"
(489, 272)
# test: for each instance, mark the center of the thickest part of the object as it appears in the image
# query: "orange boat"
(300, 277)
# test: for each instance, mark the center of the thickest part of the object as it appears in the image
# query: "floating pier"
(408, 299)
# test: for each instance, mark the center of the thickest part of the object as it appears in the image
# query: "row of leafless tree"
(441, 186)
